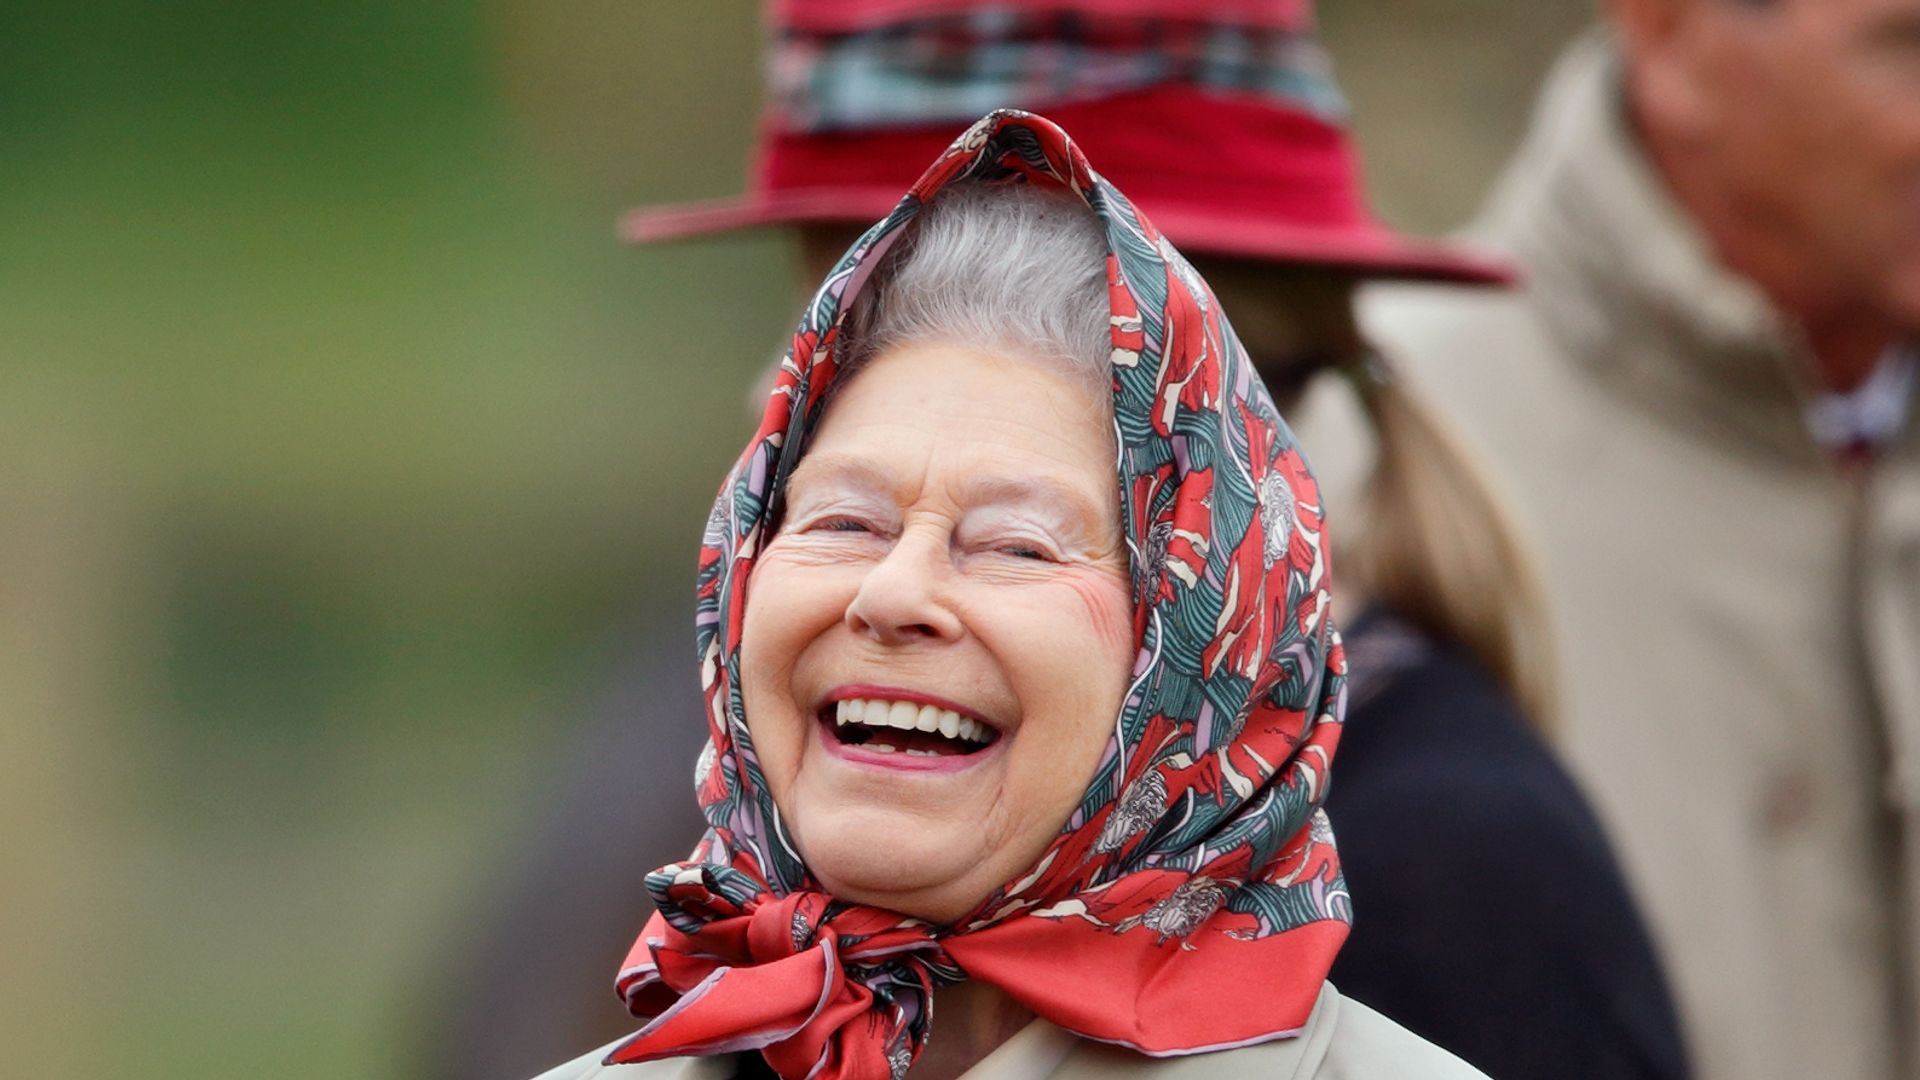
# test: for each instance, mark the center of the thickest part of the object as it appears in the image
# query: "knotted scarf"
(1193, 901)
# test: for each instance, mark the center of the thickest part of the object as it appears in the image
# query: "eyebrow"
(976, 491)
(1044, 490)
(819, 468)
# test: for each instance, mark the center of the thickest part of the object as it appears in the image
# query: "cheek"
(1070, 660)
(1070, 638)
(1069, 668)
(789, 607)
(792, 597)
(1107, 608)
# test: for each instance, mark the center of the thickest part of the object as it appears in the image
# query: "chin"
(894, 861)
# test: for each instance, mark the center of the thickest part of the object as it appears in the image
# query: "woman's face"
(950, 558)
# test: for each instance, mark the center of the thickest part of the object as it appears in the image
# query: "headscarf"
(1193, 901)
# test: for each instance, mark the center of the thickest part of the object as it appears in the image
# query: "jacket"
(1739, 613)
(1439, 769)
(1343, 1040)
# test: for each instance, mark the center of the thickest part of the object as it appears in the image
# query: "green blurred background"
(340, 443)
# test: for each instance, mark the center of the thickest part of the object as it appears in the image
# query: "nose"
(903, 599)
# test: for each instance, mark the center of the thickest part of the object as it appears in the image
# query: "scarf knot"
(819, 987)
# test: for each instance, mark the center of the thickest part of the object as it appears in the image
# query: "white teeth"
(879, 748)
(922, 753)
(907, 716)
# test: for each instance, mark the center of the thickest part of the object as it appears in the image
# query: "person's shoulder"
(1419, 318)
(1367, 1046)
(1459, 347)
(588, 1066)
(1343, 1040)
(1420, 697)
(1437, 739)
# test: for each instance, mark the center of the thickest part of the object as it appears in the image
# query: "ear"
(1667, 47)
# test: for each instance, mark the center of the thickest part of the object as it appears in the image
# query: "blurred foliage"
(342, 447)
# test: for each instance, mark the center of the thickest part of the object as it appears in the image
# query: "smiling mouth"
(884, 726)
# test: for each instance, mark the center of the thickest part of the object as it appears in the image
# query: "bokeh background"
(343, 450)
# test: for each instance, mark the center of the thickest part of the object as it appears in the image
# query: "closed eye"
(850, 525)
(1025, 551)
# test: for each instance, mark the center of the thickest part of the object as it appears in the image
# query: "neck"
(970, 1020)
(1845, 335)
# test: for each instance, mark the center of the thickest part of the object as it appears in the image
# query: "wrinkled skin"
(1790, 131)
(954, 530)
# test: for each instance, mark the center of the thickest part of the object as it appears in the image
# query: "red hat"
(1220, 119)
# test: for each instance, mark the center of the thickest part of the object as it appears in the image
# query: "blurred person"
(1442, 765)
(1703, 402)
(572, 887)
(1024, 688)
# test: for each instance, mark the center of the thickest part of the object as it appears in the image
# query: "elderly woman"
(1022, 681)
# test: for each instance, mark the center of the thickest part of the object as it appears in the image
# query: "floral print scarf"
(1193, 901)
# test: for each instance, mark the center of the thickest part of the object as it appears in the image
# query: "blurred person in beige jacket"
(1701, 401)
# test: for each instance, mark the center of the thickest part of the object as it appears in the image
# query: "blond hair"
(1430, 538)
(1437, 545)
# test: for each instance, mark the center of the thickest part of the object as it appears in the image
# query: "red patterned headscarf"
(1193, 901)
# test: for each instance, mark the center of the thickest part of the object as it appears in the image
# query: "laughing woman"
(1022, 681)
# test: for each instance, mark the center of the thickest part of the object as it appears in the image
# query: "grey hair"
(1010, 268)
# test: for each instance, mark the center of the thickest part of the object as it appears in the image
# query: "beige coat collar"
(1042, 1050)
(1629, 284)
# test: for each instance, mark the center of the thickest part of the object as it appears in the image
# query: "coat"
(1343, 1040)
(1739, 613)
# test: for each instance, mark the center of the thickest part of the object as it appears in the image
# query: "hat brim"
(1371, 252)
